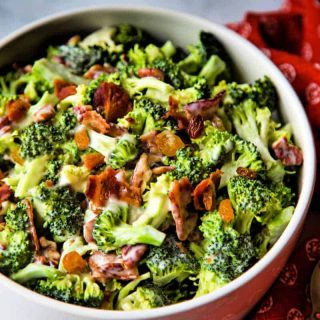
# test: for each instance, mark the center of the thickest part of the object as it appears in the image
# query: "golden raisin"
(168, 143)
(74, 263)
(226, 210)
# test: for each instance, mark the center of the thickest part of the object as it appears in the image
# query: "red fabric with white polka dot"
(290, 37)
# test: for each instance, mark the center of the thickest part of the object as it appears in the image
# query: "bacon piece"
(5, 192)
(4, 121)
(289, 154)
(205, 192)
(162, 169)
(81, 138)
(17, 109)
(95, 121)
(205, 107)
(247, 173)
(4, 130)
(88, 229)
(74, 263)
(93, 160)
(96, 70)
(133, 254)
(79, 111)
(174, 112)
(44, 113)
(110, 183)
(112, 101)
(151, 72)
(63, 89)
(149, 142)
(141, 175)
(110, 266)
(49, 252)
(180, 198)
(32, 228)
(115, 131)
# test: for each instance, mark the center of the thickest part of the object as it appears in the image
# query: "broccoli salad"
(136, 174)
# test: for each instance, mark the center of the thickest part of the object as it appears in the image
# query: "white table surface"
(16, 13)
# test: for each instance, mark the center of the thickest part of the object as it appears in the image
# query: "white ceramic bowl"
(235, 299)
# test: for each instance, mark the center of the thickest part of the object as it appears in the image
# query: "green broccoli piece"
(171, 262)
(60, 210)
(39, 139)
(69, 153)
(214, 144)
(283, 193)
(102, 143)
(125, 150)
(144, 297)
(53, 168)
(156, 202)
(188, 163)
(111, 230)
(245, 155)
(34, 271)
(214, 67)
(74, 176)
(65, 121)
(16, 217)
(252, 199)
(72, 288)
(51, 71)
(18, 249)
(253, 124)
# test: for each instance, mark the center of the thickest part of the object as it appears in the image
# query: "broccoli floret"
(102, 143)
(34, 271)
(188, 163)
(283, 193)
(69, 153)
(253, 124)
(60, 210)
(227, 253)
(17, 217)
(30, 175)
(65, 121)
(214, 67)
(78, 59)
(18, 251)
(251, 199)
(244, 155)
(171, 261)
(111, 230)
(50, 71)
(53, 168)
(72, 288)
(144, 297)
(74, 176)
(156, 203)
(125, 150)
(214, 144)
(39, 139)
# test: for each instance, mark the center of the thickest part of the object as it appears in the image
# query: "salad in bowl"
(136, 174)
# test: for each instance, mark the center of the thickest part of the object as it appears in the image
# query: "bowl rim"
(296, 221)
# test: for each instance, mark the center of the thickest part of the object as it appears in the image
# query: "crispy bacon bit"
(79, 111)
(168, 143)
(17, 109)
(110, 266)
(50, 251)
(289, 154)
(195, 126)
(141, 175)
(44, 113)
(115, 131)
(133, 254)
(180, 197)
(247, 173)
(63, 89)
(226, 211)
(32, 228)
(205, 192)
(149, 142)
(93, 160)
(5, 192)
(95, 121)
(81, 138)
(4, 121)
(110, 183)
(162, 169)
(4, 130)
(74, 263)
(111, 101)
(151, 72)
(95, 71)
(88, 229)
(205, 107)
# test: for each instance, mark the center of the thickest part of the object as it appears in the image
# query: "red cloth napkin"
(290, 37)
